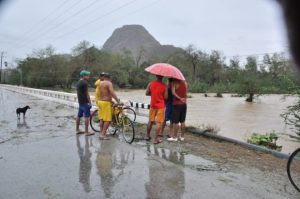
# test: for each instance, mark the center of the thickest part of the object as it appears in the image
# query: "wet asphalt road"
(40, 157)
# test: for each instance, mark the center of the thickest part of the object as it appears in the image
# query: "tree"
(292, 117)
(249, 79)
(192, 58)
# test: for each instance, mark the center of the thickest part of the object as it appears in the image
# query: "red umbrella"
(166, 70)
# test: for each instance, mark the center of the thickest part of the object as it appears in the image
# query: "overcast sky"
(235, 27)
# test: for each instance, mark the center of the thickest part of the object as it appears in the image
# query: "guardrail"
(70, 99)
(139, 105)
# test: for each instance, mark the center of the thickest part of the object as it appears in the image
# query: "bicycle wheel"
(130, 113)
(293, 169)
(94, 121)
(127, 129)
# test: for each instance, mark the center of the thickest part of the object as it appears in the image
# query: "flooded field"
(233, 116)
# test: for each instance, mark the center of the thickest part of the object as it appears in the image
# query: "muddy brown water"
(233, 116)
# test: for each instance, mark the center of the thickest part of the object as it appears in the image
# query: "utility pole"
(1, 60)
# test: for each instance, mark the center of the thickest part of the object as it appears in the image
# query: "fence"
(70, 99)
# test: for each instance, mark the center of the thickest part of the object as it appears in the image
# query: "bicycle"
(120, 122)
(94, 120)
(293, 169)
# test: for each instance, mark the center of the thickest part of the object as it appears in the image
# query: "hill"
(138, 41)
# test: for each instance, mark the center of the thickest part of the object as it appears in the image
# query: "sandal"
(104, 138)
(79, 132)
(88, 134)
(158, 141)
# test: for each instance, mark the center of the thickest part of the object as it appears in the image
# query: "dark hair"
(104, 74)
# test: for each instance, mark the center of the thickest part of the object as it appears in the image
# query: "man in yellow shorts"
(104, 104)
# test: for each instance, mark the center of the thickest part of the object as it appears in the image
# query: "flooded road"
(40, 157)
(233, 116)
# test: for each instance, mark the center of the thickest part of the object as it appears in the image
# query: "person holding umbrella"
(158, 92)
(179, 109)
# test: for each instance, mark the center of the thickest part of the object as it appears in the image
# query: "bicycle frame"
(117, 110)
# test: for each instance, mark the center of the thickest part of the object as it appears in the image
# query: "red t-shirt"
(181, 92)
(157, 92)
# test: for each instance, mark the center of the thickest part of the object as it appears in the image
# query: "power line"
(98, 18)
(47, 31)
(131, 13)
(54, 19)
(45, 18)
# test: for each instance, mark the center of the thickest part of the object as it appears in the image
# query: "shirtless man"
(104, 105)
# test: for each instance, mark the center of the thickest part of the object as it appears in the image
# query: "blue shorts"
(168, 110)
(84, 110)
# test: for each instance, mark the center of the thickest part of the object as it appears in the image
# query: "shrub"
(267, 140)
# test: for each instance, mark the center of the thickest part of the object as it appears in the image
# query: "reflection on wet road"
(43, 158)
(85, 164)
(172, 182)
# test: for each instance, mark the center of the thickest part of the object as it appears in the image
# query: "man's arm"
(148, 93)
(112, 92)
(166, 93)
(174, 86)
(88, 96)
(87, 93)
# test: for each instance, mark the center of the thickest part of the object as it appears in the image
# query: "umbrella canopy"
(166, 70)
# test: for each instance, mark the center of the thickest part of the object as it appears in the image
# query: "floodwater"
(40, 157)
(233, 116)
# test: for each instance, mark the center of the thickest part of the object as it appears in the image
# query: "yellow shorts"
(104, 110)
(156, 115)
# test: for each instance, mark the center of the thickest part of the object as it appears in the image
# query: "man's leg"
(79, 116)
(159, 118)
(171, 130)
(163, 128)
(150, 122)
(77, 124)
(157, 131)
(104, 129)
(182, 127)
(175, 130)
(87, 114)
(101, 127)
(86, 125)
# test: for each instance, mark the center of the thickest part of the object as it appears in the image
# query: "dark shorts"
(84, 110)
(178, 113)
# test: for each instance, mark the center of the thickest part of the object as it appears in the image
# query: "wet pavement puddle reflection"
(182, 158)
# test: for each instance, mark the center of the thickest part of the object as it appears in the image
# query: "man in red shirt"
(178, 115)
(158, 92)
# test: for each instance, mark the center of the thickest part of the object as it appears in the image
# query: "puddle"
(182, 158)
